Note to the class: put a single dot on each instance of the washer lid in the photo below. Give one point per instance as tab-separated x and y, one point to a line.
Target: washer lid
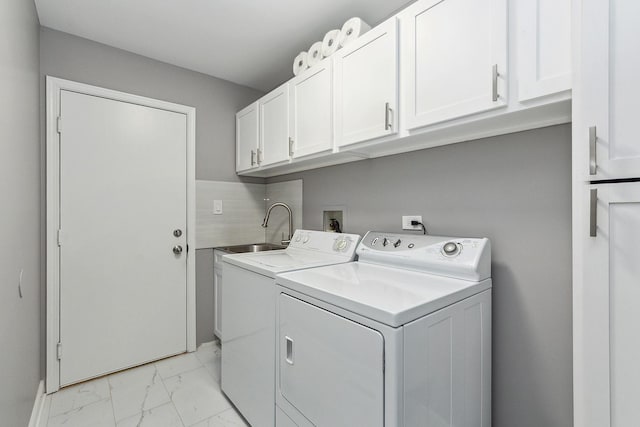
388	295
308	248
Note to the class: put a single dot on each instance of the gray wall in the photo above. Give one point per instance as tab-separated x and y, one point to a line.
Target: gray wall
20	211
514	189
216	102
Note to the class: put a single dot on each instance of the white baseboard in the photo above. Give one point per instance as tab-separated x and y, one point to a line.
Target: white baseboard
38	406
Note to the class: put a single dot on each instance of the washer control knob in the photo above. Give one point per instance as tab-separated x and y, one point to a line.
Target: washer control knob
305	239
385	242
341	245
411	245
450	249
297	237
397	243
373	243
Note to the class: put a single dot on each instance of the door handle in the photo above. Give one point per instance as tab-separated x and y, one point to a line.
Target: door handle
289	358
177	249
593	164
253	161
593	212
258	156
494	82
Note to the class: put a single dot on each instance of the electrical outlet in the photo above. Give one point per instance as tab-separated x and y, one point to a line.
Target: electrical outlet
406	222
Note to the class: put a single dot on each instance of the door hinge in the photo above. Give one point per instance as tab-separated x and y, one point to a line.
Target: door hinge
59	350
60	237
59	124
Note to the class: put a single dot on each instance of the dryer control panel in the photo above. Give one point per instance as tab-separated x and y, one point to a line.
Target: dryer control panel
462	258
325	242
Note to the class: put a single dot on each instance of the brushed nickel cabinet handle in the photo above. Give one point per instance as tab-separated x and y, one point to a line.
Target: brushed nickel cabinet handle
387	116
494	83
290	147
593	212
593	164
259	156
253	154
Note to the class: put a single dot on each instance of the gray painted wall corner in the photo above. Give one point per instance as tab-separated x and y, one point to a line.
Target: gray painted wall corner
20	212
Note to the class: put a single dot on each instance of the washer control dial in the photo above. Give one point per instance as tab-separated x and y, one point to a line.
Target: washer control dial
450	249
340	245
306	238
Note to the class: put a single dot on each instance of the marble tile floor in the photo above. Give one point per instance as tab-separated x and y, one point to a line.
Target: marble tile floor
181	391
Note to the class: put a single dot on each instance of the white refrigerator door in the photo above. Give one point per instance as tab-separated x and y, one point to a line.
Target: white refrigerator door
331	369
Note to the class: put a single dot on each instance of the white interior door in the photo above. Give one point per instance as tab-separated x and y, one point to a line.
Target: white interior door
123	186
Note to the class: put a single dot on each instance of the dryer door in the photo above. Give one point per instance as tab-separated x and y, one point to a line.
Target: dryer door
331	368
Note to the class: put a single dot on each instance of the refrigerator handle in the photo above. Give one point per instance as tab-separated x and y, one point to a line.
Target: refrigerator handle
593	206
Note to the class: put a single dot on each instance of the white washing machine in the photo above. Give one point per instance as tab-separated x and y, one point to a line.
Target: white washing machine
402	337
248	315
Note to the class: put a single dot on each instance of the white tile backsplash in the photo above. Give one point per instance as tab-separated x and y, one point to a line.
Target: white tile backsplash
243	209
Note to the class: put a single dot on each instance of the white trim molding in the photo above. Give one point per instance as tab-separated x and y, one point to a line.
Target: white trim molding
38	406
53	91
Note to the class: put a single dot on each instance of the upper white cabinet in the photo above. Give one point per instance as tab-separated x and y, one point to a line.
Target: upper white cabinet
437	73
247	141
454	59
609	69
543	45
310	101
366	86
274	127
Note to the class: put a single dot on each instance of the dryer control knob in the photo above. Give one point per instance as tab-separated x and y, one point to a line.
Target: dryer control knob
450	249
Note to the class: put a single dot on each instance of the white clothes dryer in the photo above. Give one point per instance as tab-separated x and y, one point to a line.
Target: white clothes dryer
248	315
402	337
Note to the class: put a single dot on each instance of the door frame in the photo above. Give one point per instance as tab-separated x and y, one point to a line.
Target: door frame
54	86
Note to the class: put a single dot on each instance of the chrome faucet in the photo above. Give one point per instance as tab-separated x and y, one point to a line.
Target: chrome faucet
266	220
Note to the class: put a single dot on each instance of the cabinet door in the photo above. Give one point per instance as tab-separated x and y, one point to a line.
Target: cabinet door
606	315
611	92
454	59
331	369
217	301
247	137
274	126
365	80
310	103
544	47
